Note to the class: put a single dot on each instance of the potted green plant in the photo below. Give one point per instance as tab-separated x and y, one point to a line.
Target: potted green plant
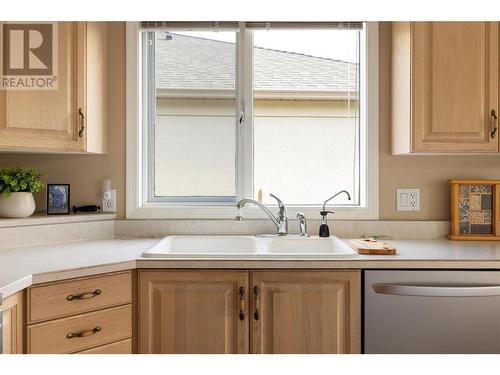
17	186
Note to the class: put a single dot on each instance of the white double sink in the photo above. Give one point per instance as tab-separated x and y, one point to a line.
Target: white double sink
250	247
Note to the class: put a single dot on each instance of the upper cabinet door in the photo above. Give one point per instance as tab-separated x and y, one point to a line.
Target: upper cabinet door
305	312
445	86
193	312
49	119
455	86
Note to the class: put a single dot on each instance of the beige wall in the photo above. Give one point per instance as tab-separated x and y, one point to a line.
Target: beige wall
86	172
429	173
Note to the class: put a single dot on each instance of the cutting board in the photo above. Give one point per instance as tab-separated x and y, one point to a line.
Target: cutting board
369	246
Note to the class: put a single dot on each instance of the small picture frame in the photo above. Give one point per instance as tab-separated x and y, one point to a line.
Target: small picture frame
474	210
58	199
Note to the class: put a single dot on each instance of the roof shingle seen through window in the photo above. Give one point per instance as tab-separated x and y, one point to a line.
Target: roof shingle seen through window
186	62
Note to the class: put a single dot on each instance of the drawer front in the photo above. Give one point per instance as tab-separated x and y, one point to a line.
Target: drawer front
60	299
77	333
120	347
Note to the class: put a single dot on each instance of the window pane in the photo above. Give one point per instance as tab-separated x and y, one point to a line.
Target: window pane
306	115
194	132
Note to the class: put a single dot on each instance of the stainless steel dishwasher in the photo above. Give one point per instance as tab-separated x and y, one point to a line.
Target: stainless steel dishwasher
431	312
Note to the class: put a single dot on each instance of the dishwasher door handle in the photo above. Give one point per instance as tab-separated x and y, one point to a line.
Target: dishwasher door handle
437	291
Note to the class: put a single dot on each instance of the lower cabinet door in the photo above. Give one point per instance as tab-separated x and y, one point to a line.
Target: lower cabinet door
12	309
193	312
305	311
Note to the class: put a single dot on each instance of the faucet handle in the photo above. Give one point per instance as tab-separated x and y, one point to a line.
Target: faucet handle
281	206
302	224
280	203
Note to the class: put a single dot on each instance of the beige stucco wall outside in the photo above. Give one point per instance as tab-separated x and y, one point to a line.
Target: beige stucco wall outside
430	173
293	142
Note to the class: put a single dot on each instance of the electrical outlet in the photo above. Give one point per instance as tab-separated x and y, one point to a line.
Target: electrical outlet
408	199
109	202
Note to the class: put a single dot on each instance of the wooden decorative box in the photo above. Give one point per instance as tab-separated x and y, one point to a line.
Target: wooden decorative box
475	210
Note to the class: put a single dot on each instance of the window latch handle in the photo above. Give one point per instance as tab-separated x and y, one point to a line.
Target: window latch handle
242	113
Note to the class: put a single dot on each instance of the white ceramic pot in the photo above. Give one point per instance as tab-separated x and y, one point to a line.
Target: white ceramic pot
17	205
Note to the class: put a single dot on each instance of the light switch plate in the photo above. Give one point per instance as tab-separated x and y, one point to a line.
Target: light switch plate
408	199
109	205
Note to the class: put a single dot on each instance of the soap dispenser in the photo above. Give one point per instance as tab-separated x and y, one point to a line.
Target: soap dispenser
324	231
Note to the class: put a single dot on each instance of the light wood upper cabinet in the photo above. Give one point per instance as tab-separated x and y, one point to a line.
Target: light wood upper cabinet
73	117
444	87
195	312
305	312
12	308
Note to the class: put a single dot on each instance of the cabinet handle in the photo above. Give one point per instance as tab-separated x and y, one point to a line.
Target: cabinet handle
242	303
82	122
90	332
256	314
95	293
494	128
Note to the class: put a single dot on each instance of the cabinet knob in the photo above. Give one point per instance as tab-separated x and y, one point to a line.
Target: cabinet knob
494	127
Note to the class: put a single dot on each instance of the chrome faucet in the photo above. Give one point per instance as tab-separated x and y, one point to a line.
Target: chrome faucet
333	196
280	221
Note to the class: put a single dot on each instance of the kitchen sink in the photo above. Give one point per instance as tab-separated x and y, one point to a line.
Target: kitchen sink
204	245
311	246
250	247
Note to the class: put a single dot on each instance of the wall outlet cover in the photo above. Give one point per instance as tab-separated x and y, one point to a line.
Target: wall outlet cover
109	202
408	199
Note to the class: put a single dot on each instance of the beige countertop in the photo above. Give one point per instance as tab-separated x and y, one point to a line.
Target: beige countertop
24	266
21	267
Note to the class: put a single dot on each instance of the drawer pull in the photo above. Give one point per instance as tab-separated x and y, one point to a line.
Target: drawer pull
84	333
95	293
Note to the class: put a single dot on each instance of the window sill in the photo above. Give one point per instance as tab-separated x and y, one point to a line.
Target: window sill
43	219
158	212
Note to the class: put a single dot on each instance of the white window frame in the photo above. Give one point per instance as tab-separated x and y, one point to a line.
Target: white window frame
137	207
